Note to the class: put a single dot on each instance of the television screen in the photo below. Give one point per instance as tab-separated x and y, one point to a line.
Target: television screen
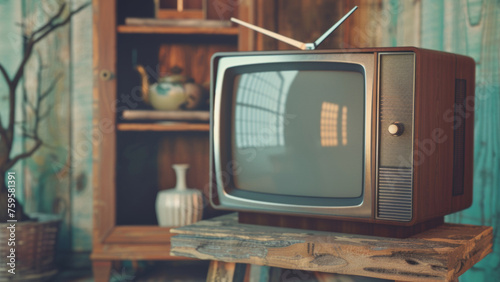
299	132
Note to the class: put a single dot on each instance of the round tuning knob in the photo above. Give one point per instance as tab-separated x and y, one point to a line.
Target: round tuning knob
396	129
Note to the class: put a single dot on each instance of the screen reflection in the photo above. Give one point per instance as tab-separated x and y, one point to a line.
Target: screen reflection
296	130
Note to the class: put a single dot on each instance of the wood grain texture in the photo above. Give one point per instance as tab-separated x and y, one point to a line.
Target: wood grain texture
293	21
290	19
178	30
469	28
442	253
435	79
361	29
139	235
474	28
104	95
10	56
193	58
47	172
163	127
246	36
101	270
173	14
81	128
128	251
223	9
221	271
65	164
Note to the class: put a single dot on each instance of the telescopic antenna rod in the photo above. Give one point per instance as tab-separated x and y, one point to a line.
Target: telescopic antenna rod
269	33
291	41
333	28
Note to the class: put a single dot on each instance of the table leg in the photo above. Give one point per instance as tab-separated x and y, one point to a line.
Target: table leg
220	271
101	270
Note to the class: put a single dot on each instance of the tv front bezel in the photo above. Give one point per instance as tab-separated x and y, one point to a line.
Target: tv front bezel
225	66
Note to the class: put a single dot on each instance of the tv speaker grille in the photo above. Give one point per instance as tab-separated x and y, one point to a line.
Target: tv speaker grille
394	198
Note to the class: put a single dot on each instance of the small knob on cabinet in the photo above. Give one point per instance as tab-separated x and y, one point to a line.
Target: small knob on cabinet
106	75
396	129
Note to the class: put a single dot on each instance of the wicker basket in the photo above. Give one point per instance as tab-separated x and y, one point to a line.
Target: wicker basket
35	249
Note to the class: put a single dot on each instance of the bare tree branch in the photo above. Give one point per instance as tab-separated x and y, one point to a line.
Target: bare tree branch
51	87
5	74
26	100
24	128
44	115
3	131
53	26
44	30
26	154
50	22
27	135
7	132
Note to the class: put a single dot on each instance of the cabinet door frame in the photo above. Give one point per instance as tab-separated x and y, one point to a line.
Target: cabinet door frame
104	120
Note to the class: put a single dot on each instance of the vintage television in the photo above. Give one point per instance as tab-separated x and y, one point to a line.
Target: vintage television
372	141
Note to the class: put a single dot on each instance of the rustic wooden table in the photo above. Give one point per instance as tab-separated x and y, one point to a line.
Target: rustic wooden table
442	253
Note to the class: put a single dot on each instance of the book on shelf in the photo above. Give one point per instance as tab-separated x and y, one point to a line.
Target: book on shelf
154	115
177	22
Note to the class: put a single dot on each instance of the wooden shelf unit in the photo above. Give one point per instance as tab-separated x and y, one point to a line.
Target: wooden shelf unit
132	161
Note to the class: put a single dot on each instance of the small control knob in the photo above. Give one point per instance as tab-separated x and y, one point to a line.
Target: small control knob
396	129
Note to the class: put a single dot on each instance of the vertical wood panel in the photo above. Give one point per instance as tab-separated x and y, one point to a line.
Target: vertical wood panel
10	56
103	121
246	38
48	174
48	169
432	23
81	128
364	27
468	27
307	20
486	200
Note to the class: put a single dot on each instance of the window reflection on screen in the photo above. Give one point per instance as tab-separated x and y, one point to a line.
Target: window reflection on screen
328	130
299	132
260	108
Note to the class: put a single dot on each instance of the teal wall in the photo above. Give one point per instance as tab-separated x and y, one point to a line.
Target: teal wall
472	28
57	178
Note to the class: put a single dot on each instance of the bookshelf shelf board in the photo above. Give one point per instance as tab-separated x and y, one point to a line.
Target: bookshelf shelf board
177	30
164	127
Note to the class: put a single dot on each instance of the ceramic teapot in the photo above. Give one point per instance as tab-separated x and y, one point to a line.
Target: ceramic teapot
171	92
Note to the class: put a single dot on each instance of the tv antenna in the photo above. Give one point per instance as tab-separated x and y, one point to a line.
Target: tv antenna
291	41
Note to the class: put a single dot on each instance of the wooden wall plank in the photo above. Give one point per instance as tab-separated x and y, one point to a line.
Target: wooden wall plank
471	28
47	170
432	23
307	20
363	28
10	56
81	128
486	200
44	182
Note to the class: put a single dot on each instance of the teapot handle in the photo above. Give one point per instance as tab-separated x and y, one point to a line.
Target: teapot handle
144	83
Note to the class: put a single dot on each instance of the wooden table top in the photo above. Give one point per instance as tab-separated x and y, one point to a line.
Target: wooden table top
442	253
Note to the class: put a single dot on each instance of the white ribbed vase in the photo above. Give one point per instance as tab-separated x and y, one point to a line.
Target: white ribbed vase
181	205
